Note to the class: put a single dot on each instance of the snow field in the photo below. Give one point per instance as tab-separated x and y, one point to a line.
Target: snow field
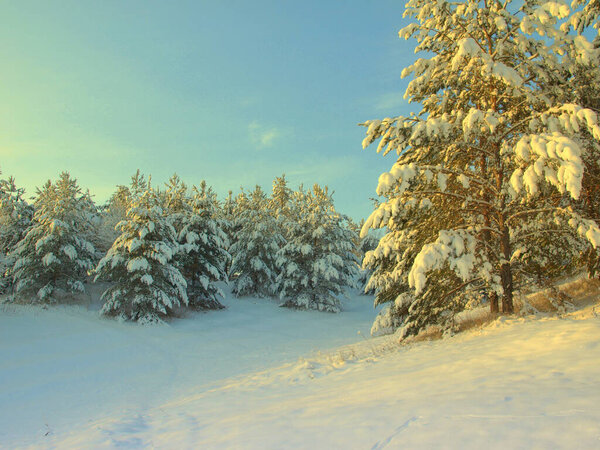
64	367
515	383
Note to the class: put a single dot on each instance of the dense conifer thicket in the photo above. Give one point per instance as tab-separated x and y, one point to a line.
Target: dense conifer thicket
168	249
495	186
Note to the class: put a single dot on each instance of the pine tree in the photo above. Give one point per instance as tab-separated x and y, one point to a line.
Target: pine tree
584	89
15	219
317	264
175	199
116	208
390	263
280	205
232	212
93	217
113	212
254	252
55	256
146	287
15	215
176	207
363	245
204	257
119	202
280	197
585	15
225	213
494	157
139	186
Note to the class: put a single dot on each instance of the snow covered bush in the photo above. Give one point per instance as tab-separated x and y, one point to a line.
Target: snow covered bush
494	159
146	286
254	252
55	255
318	263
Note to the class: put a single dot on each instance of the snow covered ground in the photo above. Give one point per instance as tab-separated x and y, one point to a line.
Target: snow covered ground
253	377
65	366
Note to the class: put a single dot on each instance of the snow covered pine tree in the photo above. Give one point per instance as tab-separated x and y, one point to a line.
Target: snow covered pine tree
203	258
317	264
146	287
367	243
254	252
15	215
492	147
15	220
54	257
279	204
585	91
232	214
110	215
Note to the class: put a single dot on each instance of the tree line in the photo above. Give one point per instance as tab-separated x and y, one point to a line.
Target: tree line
164	250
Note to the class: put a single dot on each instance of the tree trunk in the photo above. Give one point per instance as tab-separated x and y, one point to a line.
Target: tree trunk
494	303
507	286
506	273
488	240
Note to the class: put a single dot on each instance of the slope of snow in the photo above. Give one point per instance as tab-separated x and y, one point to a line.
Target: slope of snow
516	383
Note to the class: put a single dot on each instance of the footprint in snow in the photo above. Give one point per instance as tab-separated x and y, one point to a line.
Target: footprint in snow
384	443
122	434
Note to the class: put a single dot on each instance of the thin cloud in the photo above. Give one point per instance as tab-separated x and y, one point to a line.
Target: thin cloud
263	136
389	101
323	170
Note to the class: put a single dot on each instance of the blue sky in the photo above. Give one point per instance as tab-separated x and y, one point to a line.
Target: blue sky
233	92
